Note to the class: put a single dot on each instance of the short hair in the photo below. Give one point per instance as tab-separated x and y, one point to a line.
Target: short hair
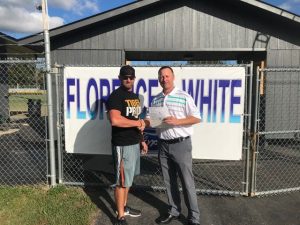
165	67
127	70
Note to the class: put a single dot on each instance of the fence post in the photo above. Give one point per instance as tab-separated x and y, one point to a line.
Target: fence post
49	94
247	128
255	137
57	71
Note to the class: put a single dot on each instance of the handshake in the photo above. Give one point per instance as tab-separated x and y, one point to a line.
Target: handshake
141	127
142	124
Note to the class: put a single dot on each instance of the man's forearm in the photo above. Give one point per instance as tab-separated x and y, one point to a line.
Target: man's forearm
121	121
190	120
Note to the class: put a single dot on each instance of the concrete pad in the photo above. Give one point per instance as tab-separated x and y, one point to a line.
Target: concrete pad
280	209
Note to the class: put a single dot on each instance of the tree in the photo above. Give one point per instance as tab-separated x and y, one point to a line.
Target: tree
25	74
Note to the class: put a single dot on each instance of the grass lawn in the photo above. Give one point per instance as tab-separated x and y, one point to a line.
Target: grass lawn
42	206
18	102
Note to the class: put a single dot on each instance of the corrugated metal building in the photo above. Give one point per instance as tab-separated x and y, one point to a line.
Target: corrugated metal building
176	30
194	30
243	30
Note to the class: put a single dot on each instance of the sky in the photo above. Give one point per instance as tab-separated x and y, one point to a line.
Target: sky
20	18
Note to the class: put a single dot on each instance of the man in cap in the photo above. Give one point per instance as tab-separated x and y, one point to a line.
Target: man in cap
124	109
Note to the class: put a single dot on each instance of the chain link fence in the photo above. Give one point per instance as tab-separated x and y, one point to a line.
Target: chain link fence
23	155
224	177
277	166
270	160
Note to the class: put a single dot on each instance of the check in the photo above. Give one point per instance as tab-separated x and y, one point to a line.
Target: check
157	114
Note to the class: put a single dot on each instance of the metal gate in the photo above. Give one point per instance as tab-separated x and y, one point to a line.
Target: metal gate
23	112
276	161
211	176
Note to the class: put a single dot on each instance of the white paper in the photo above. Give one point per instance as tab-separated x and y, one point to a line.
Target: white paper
157	114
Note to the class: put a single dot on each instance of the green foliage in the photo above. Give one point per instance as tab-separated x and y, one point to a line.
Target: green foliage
25	75
39	206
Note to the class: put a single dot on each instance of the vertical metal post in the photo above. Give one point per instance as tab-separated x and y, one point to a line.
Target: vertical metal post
248	128
57	72
49	94
255	138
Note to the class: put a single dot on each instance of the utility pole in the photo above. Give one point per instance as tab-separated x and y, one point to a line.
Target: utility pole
49	94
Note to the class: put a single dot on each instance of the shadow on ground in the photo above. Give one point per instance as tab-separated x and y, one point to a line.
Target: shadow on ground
280	209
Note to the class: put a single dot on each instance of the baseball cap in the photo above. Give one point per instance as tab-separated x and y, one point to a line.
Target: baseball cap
127	71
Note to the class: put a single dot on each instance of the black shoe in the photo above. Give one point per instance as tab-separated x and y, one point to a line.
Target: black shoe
128	211
121	221
193	223
166	219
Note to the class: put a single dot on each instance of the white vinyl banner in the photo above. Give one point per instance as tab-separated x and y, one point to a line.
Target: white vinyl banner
217	91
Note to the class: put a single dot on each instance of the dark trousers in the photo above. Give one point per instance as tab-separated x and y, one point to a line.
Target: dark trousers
176	159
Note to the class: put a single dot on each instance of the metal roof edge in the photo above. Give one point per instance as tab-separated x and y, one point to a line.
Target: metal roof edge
91	20
7	37
134	6
273	9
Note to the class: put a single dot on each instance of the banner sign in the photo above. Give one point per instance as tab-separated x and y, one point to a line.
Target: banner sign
217	91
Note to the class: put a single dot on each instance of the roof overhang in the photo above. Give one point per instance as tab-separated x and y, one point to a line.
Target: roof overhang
273	9
9	46
114	13
196	54
135	6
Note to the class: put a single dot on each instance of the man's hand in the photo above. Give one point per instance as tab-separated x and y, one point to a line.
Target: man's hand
144	148
142	125
170	120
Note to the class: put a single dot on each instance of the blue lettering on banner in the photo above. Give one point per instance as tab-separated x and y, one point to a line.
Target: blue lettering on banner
212	96
70	98
152	83
206	100
205	93
115	84
80	114
234	100
223	84
101	94
104	84
92	111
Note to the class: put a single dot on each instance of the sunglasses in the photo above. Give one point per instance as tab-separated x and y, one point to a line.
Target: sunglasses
126	77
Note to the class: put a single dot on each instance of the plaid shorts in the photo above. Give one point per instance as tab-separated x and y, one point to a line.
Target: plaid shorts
126	164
